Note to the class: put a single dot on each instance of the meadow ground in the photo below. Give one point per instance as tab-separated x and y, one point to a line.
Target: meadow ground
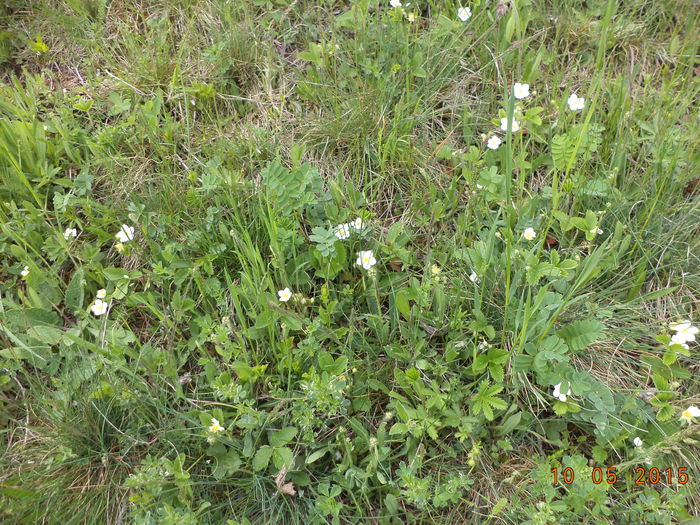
306	262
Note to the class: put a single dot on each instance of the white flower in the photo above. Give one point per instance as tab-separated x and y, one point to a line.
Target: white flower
515	125
685	323
357	223
529	234
689	413
596	231
685	332
411	17
521	91
558	394
435	270
285	295
25	271
70	232
675	340
101	293
366	259
99	307
395	3
342	231
215	426
464	13
576	103
474	278
637	442
493	142
125	234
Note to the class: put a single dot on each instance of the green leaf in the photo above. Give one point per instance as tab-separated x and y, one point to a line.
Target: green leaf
579	334
510	423
283	458
262	457
75	292
315	456
283	436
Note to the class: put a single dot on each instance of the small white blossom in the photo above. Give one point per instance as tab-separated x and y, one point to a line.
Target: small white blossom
596	231
25	271
395	3
125	234
435	270
474	278
342	231
366	259
493	142
515	125
575	102
558	394
215	426
357	223
70	232
101	293
285	295
685	332
637	442
529	234
464	13
99	307
690	413
521	91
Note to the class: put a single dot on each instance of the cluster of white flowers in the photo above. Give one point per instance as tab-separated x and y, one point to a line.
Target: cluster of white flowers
342	231
558	393
100	307
70	232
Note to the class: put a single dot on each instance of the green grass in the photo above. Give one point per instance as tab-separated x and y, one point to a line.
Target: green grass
234	137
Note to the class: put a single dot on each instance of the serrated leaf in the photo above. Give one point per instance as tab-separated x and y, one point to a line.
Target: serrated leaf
579	334
283	436
262	457
75	292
